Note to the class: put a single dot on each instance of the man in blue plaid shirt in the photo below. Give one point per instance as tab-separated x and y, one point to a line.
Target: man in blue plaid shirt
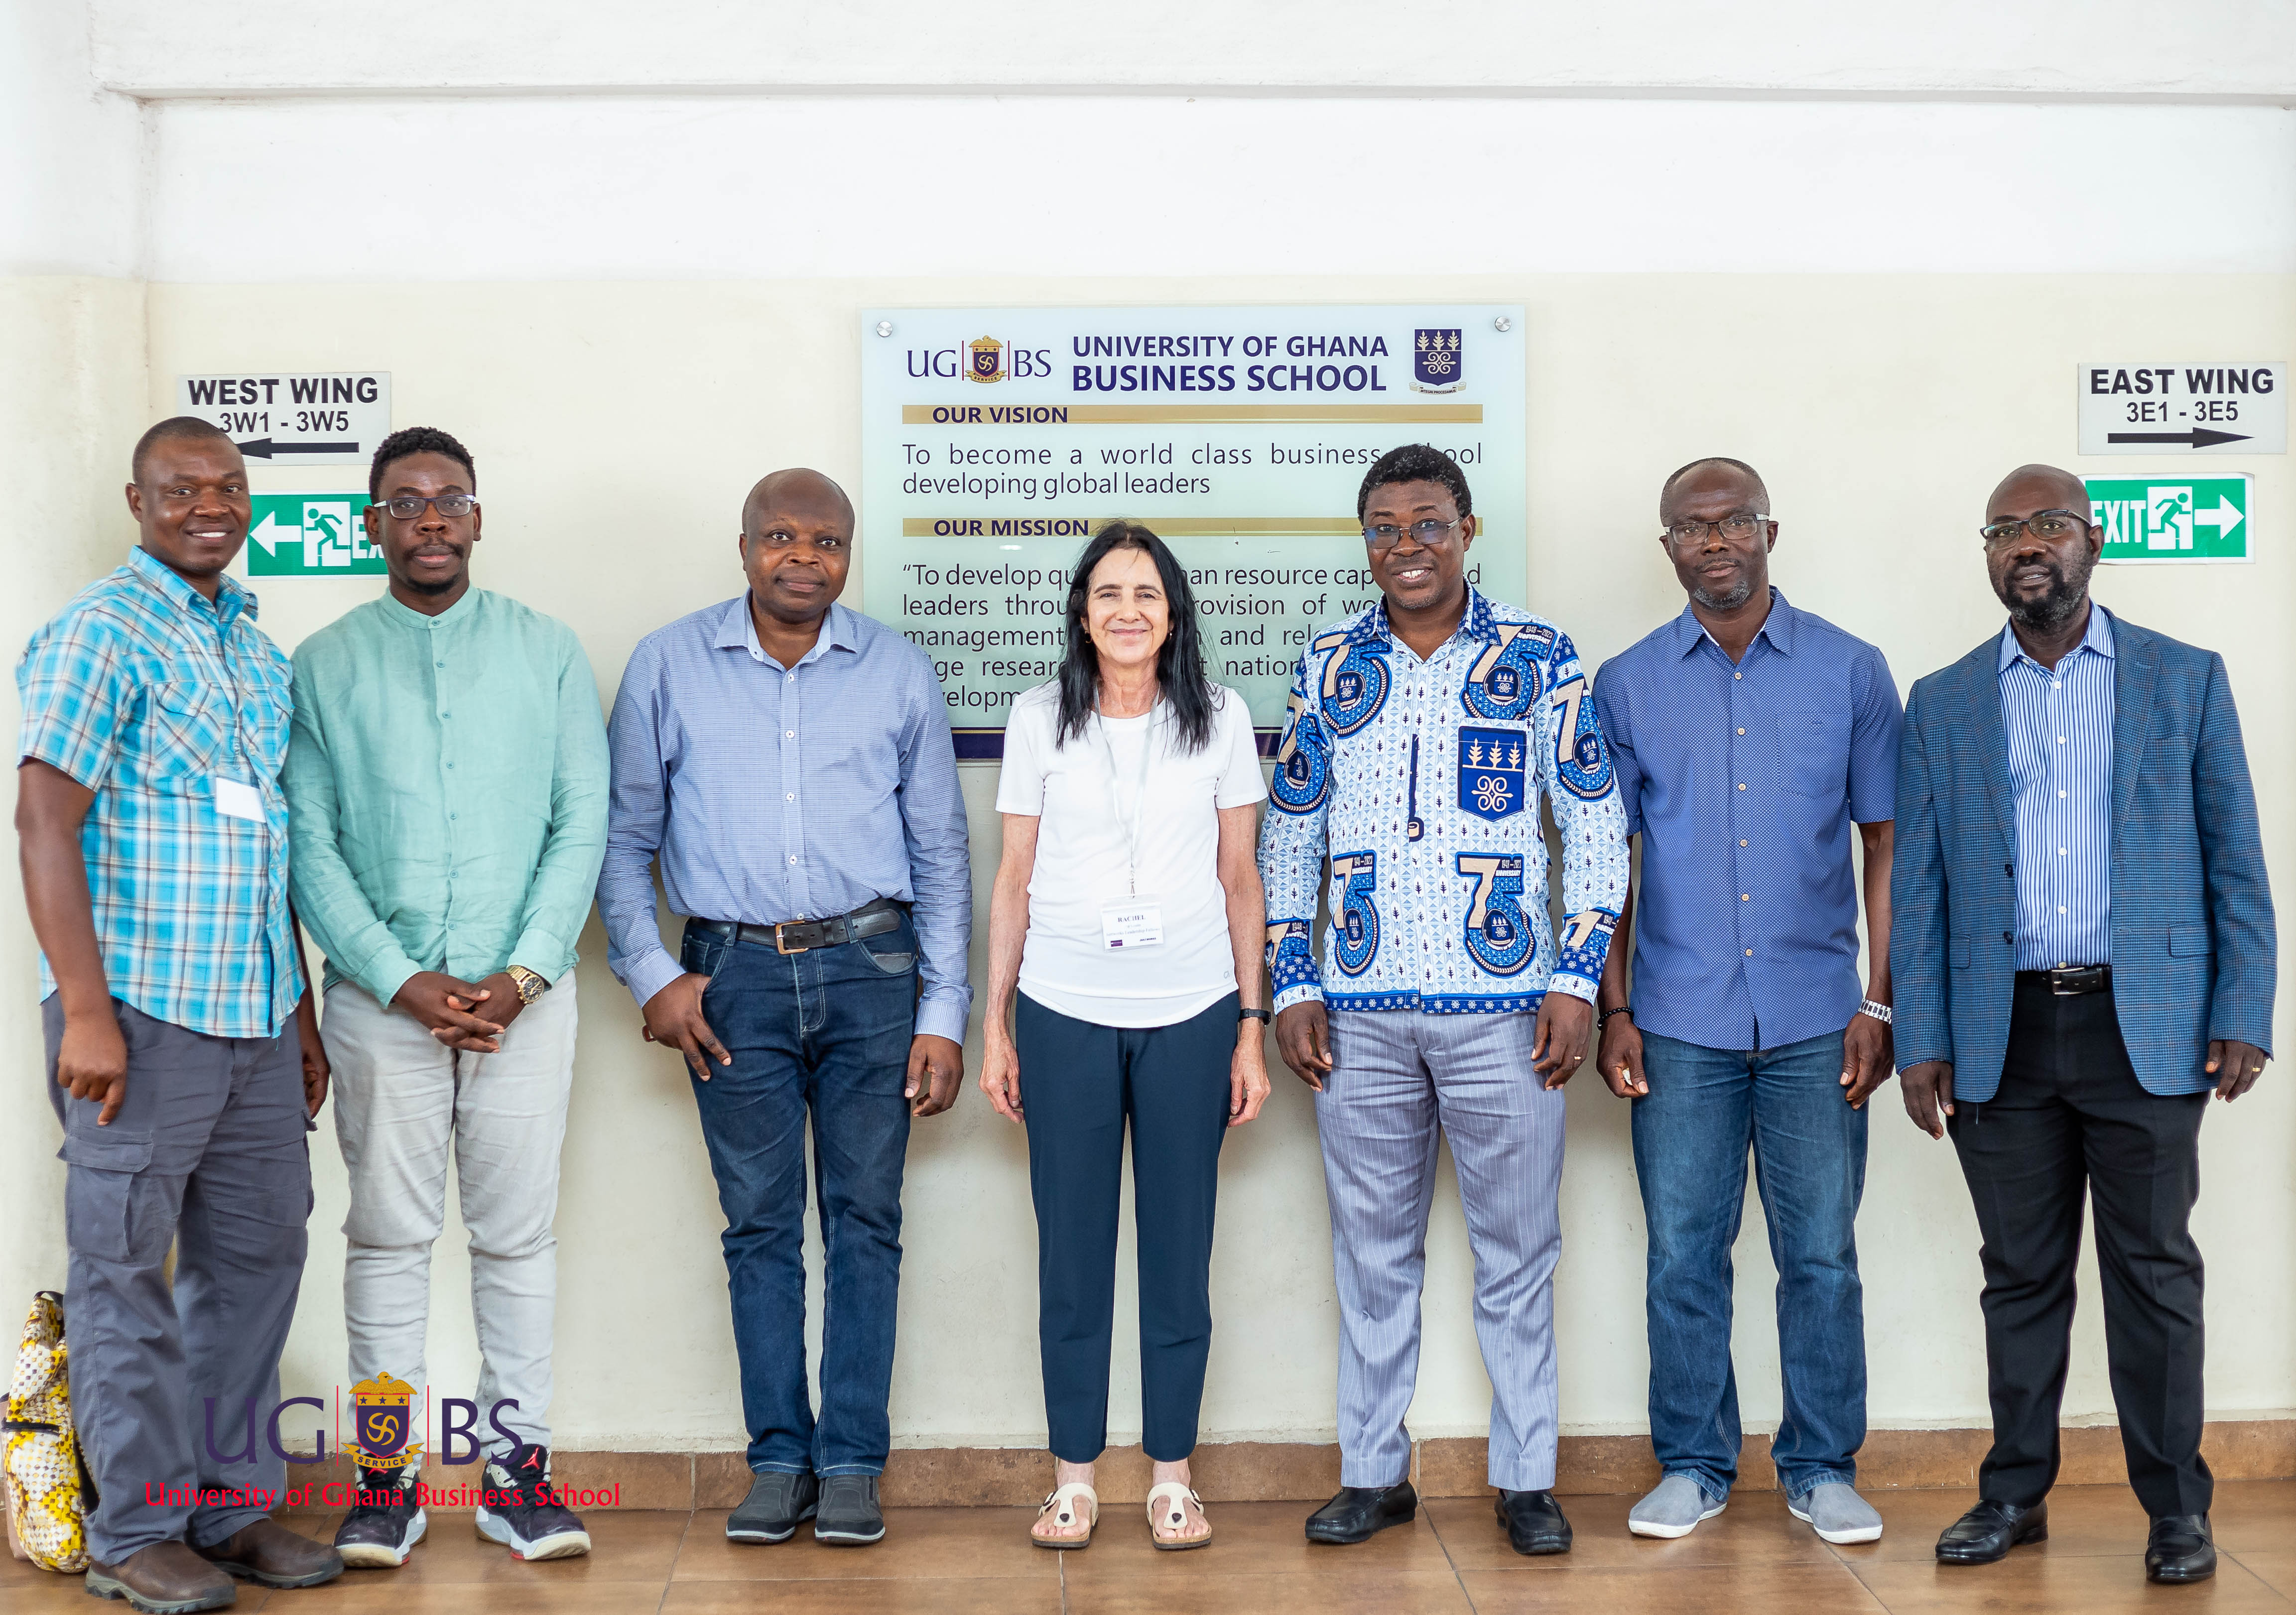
182	1040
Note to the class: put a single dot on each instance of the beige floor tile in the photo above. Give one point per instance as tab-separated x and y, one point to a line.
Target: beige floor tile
907	1595
1258	1538
376	1593
2274	1566
2254	1513
961	1544
2084	1521
623	1548
1367	1592
1755	1529
1755	1589
2093	1584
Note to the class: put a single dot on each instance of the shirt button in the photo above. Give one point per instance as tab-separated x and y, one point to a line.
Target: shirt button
1742	787
443	715
1745	897
1750	953
2061	852
1742	843
792	857
450	764
791	797
442	664
2060	740
1741	676
1742	732
451	816
789	734
2060	908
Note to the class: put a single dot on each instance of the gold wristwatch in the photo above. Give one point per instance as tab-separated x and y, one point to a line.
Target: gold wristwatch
530	986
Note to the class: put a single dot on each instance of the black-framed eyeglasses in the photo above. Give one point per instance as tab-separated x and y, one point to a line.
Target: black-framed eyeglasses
1738	526
2047	526
409	507
780	538
1424	534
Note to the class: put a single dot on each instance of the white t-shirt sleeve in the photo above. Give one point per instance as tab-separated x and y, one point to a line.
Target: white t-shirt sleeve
1239	780
1027	736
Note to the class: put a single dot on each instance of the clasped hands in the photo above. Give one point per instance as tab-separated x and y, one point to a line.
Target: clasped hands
448	1008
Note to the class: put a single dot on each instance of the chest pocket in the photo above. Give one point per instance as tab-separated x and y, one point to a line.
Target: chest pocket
186	733
1814	754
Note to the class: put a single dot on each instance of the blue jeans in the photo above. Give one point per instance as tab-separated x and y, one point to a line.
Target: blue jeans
1691	1134
829	1031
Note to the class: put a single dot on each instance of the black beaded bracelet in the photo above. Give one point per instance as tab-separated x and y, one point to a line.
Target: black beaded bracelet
1606	1014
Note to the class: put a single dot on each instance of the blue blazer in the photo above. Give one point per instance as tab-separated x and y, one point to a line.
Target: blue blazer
2193	948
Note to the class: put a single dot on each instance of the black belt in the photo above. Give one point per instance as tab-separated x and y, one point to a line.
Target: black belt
2072	980
871	919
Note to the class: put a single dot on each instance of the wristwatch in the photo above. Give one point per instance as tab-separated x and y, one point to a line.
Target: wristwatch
1243	1015
530	986
1880	1012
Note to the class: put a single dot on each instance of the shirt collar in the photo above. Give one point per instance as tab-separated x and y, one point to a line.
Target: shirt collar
738	630
2099	639
233	598
1777	627
1478	621
399	611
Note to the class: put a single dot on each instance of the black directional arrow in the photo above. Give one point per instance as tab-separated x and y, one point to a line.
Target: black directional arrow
2200	437
263	448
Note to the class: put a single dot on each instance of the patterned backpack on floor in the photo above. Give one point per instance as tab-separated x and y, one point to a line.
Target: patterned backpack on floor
45	1479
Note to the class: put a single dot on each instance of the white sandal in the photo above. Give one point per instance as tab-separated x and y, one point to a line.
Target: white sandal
1173	1491
1065	1498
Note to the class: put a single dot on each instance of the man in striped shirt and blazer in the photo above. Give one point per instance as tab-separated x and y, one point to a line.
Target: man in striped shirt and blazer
2082	939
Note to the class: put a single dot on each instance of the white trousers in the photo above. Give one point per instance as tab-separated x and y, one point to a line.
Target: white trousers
401	1097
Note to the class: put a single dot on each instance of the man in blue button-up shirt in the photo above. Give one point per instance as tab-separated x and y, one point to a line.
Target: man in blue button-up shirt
1750	736
788	763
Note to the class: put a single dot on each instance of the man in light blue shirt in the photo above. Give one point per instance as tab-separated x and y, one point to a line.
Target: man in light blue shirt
1750	738
788	762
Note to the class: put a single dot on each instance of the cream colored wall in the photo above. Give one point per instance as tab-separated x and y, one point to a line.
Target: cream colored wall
615	426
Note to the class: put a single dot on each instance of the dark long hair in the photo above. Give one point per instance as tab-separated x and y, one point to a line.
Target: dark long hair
1179	660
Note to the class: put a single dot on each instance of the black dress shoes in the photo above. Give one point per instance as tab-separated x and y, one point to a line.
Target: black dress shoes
1533	1522
1986	1534
1358	1510
2181	1548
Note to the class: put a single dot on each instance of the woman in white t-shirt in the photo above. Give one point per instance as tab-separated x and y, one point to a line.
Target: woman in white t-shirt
1127	913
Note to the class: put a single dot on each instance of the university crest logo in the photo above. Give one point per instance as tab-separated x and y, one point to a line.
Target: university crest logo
1493	780
1436	361
383	1418
988	359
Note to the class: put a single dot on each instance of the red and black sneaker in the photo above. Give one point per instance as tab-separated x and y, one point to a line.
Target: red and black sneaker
385	1522
520	1510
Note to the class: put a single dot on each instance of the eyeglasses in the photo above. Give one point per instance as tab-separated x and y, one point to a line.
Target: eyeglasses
1425	534
406	508
2047	526
1738	526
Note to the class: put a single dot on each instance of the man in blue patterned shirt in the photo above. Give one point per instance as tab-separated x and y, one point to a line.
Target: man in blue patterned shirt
1750	736
1422	733
154	841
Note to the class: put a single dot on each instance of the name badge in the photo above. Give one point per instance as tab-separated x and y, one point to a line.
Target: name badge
238	799
1134	923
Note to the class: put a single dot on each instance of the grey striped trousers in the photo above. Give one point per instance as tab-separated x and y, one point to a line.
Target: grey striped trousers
1396	1077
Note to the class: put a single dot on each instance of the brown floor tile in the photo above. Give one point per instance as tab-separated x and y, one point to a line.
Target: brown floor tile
2254	1513
2093	1585
1248	1538
916	1595
1369	1591
1755	1529
381	1593
958	1544
625	1546
1763	1589
55	1594
2274	1566
2084	1521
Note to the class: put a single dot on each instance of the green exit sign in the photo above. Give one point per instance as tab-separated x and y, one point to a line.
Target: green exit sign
2173	518
310	536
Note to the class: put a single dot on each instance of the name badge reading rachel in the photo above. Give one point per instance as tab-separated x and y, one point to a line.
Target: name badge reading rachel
1134	923
238	799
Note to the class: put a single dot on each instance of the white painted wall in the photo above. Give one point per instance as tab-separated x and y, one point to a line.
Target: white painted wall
1863	247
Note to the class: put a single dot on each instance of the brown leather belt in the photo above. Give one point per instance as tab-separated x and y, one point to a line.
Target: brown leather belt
871	919
2074	979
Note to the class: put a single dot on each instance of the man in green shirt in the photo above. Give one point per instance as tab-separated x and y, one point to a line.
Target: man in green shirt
447	783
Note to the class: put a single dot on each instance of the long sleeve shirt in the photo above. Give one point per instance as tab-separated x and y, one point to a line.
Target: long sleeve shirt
1421	782
447	784
771	793
2058	724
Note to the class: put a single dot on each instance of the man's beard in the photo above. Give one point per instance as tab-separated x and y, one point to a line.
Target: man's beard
439	587
2056	606
1730	600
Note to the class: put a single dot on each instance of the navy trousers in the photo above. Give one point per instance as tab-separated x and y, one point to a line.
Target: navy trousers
1079	1085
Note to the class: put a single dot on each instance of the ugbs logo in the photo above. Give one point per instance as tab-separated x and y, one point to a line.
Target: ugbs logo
1492	778
988	363
382	1420
1436	361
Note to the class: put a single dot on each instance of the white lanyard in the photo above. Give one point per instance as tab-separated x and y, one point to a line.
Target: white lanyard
1130	823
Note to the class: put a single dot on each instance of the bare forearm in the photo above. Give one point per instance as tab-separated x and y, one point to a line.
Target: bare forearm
49	807
1612	993
1008	932
1879	841
1247	931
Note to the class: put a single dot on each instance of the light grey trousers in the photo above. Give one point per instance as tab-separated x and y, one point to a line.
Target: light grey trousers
207	1152
1396	1077
402	1098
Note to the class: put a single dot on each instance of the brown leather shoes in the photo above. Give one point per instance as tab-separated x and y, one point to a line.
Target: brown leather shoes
268	1552
165	1578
